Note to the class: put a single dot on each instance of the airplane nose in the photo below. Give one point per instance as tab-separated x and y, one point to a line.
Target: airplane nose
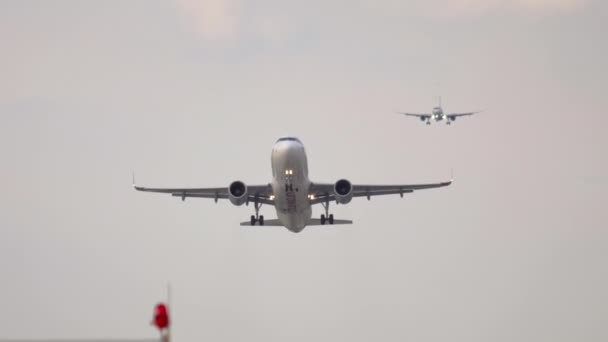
285	148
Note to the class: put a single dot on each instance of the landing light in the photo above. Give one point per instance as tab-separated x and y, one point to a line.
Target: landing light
271	197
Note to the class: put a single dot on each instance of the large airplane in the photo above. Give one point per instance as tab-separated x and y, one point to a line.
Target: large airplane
438	114
291	192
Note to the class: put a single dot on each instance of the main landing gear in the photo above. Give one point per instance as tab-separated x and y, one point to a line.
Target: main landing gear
327	217
257	218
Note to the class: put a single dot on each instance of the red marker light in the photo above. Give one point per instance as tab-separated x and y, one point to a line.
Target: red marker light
161	316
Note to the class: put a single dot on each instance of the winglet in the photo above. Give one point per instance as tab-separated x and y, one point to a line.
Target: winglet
134	184
452	175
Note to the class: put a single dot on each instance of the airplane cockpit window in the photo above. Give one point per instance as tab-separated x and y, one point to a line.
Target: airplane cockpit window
289	139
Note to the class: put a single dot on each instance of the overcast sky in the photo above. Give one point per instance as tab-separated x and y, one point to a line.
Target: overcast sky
194	93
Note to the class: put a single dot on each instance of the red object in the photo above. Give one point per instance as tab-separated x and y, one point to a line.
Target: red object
161	316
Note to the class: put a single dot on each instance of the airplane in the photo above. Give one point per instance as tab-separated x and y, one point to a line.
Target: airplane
437	114
291	192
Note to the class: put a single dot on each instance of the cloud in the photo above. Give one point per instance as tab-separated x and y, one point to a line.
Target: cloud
222	20
213	19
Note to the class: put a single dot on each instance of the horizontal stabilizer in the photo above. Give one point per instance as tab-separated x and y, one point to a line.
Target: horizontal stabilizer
317	222
312	222
271	223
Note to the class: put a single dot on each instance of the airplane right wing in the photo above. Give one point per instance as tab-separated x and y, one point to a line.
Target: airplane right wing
424	116
259	193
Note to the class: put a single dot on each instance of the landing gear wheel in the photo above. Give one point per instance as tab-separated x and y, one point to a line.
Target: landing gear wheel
331	218
322	219
257	217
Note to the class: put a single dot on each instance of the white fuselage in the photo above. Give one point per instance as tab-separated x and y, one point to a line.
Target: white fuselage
290	184
438	114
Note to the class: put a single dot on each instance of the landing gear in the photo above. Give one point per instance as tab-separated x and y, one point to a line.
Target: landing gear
327	217
257	218
428	122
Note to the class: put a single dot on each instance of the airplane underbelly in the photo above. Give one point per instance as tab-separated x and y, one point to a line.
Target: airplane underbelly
292	205
290	186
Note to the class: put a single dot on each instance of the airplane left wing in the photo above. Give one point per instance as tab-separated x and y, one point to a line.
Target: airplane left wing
321	193
261	193
461	114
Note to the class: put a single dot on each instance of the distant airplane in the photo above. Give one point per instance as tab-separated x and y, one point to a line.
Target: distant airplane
291	192
437	114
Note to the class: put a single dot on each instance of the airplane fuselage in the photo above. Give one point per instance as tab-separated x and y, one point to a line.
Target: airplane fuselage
290	184
438	114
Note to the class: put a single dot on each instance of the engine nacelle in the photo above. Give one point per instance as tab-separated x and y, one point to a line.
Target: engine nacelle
237	193
451	118
343	190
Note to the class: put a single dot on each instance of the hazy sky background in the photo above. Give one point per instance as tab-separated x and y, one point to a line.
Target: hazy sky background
195	93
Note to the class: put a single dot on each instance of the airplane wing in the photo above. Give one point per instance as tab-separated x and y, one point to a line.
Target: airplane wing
324	192
451	115
261	193
422	116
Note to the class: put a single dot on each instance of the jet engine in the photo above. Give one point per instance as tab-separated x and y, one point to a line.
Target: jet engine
343	190
237	193
451	118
